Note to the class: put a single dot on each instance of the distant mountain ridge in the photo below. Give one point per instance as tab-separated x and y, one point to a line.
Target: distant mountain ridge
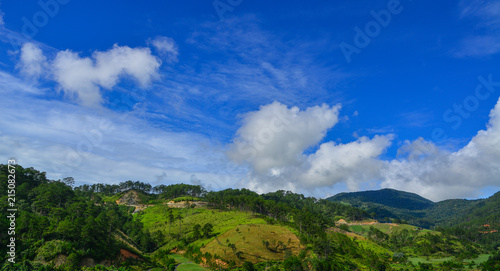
387	196
389	204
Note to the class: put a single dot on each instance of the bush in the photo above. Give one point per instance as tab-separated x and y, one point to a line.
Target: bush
51	249
72	262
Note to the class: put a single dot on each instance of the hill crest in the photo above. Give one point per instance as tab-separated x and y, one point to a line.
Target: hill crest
387	197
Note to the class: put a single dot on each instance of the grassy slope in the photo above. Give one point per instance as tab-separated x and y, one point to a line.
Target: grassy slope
388	228
154	219
186	264
249	240
243	229
479	260
370	245
252	230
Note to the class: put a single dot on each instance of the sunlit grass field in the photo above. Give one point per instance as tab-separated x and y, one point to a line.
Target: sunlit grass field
248	239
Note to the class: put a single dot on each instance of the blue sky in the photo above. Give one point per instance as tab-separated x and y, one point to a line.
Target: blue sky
317	97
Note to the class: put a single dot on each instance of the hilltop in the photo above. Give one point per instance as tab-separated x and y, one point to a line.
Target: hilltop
387	197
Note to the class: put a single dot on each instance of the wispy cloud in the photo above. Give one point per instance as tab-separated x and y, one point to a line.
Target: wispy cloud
260	66
488	11
485	14
65	139
418	118
2	14
208	91
479	46
166	47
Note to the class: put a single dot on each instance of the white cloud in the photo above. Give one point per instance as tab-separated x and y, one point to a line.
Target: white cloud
166	47
82	78
438	174
274	141
276	136
32	61
353	163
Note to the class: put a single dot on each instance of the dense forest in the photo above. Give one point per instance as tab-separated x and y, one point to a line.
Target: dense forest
62	227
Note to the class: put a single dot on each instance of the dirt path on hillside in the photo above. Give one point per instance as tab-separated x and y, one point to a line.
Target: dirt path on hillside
117	236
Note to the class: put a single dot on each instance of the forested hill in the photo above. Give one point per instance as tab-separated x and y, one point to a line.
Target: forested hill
135	226
59	223
389	205
388	197
476	212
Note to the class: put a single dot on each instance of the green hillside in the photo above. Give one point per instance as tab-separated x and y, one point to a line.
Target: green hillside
389	204
135	226
450	212
392	205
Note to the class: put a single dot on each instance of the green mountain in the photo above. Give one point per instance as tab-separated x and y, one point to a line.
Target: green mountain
387	197
390	204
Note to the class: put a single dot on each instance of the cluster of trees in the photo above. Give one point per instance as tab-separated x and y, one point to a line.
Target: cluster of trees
179	190
53	219
309	215
493	263
423	244
109	189
479	224
164	191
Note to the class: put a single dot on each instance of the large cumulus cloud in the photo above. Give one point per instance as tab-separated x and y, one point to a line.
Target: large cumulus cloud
282	148
274	141
439	174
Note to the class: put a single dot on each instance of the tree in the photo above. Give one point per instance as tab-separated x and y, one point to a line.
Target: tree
207	230
293	264
171	219
265	243
248	266
50	195
196	231
69	181
179	217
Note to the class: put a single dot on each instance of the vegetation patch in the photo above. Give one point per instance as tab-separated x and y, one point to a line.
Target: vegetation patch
254	243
